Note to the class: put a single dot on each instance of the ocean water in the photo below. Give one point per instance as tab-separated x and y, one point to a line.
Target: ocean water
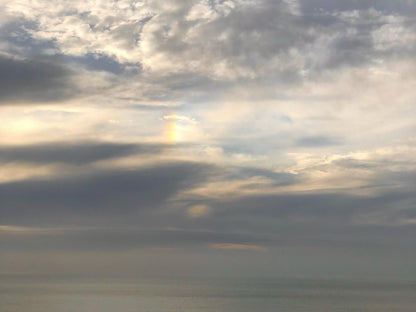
42	294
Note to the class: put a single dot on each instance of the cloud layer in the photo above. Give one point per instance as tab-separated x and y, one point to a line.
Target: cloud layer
225	134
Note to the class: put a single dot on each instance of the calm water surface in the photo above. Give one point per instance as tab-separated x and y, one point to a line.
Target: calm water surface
23	294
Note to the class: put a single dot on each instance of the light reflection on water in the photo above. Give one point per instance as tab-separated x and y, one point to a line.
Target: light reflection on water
23	294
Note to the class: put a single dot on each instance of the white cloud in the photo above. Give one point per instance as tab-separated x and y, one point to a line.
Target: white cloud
394	36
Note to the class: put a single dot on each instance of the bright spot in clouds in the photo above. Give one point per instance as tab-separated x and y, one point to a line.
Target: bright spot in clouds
198	211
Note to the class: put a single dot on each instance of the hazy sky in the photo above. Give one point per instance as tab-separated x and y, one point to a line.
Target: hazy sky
211	137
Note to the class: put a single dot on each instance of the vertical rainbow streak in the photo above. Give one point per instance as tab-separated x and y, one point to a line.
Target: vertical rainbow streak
171	129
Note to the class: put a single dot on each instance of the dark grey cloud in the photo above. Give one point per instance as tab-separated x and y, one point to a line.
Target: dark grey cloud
100	195
116	239
292	216
33	80
77	153
336	221
259	226
139	213
318	208
117	193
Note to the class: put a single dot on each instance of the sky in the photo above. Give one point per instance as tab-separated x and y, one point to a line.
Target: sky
208	138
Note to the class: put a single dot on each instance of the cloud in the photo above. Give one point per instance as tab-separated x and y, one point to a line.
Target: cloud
198	211
238	247
314	6
293	122
179	118
98	195
116	238
16	229
275	40
158	54
96	62
317	141
33	80
76	153
316	208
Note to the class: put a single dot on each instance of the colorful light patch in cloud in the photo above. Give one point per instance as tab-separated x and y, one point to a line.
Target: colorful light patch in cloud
177	128
171	132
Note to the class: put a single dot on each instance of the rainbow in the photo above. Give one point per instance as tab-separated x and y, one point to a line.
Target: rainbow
171	133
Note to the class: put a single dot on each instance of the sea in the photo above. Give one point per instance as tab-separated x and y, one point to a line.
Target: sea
75	294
